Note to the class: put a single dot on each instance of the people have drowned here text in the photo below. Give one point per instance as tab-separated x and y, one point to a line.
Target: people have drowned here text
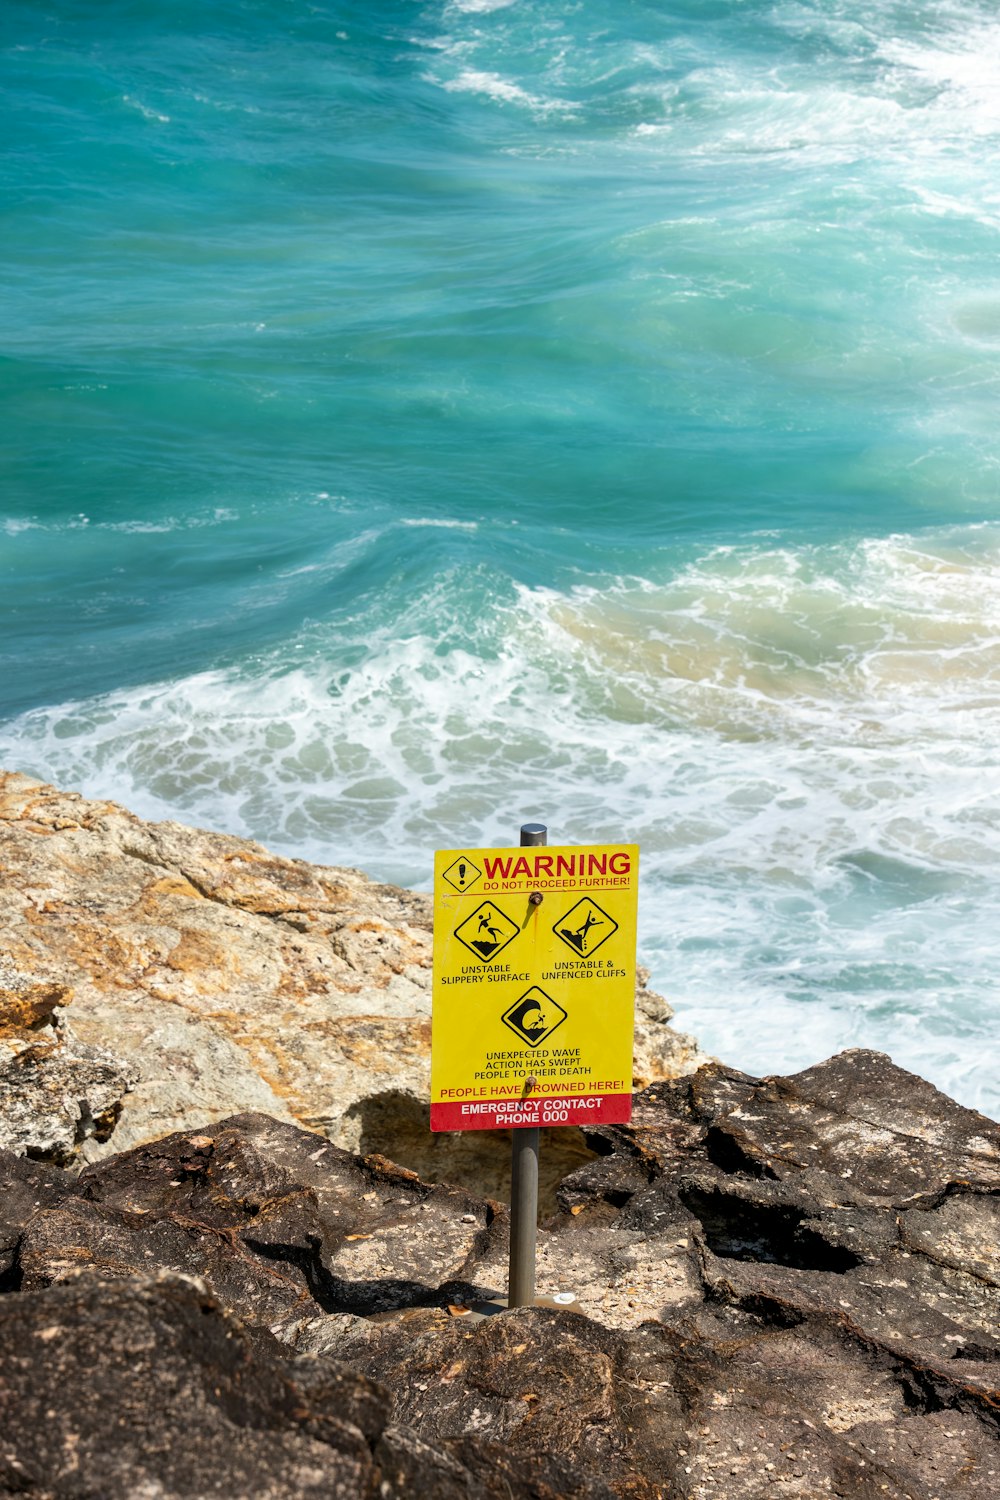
534	986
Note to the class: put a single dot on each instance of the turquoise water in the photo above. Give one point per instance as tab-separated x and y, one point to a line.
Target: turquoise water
421	417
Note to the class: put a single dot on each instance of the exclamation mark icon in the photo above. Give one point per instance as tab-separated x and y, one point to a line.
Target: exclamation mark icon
462	873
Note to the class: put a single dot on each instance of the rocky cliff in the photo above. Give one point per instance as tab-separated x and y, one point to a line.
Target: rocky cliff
153	976
783	1287
777	1287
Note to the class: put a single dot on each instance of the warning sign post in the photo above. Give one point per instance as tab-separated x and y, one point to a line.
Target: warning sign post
534	986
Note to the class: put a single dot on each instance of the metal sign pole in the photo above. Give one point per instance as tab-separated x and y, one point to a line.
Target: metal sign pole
524	1172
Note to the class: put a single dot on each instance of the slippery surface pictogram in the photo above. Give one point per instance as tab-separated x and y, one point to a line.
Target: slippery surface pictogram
487	931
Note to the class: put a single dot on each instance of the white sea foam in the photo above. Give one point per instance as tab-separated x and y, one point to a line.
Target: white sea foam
503	90
940	73
480	7
145	110
441	522
14	525
142	528
227	106
803	741
889	97
961	64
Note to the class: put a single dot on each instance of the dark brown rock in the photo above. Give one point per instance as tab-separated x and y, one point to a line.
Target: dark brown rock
147	1387
789	1287
26	1187
856	1121
278	1222
150	1388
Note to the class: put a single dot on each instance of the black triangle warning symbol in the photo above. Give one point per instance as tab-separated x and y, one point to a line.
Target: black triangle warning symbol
487	931
535	1016
585	927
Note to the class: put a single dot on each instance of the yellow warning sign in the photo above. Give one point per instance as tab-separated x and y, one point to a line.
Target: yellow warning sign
534	986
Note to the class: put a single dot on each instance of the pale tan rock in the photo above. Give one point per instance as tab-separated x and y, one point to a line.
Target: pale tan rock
231	979
658	1050
55	1091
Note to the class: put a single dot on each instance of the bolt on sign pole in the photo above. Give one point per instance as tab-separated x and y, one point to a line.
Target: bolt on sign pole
524	1170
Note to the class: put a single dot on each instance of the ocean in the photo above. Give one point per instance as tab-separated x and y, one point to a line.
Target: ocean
422	416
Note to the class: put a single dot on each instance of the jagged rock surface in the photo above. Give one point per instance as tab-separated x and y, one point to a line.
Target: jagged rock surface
789	1287
153	1390
220	978
55	1091
277	1222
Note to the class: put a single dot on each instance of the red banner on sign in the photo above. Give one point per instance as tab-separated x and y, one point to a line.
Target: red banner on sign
508	1114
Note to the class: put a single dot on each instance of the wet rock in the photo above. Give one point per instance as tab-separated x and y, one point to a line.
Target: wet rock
475	1469
149	1387
539	1384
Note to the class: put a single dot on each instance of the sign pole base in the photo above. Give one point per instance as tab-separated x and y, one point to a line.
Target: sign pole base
523	1216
